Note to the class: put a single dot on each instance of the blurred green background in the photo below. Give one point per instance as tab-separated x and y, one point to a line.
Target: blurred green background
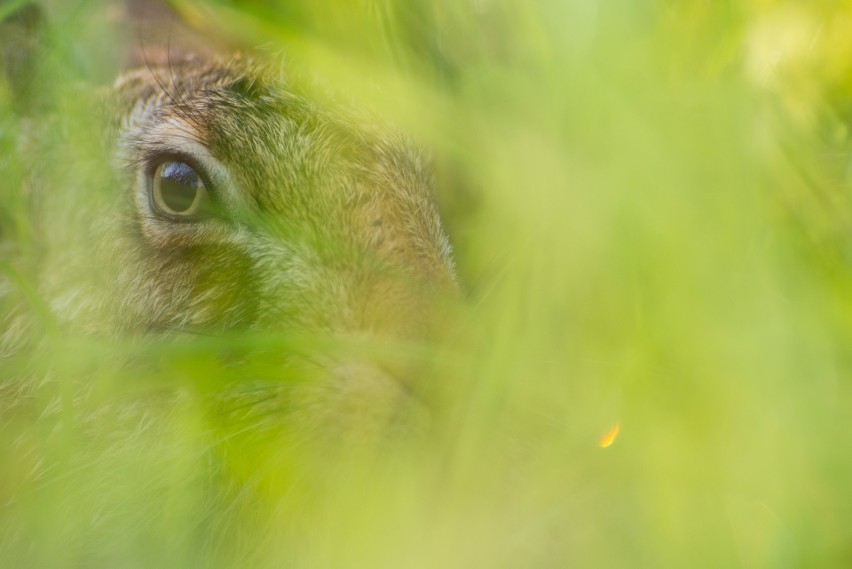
650	207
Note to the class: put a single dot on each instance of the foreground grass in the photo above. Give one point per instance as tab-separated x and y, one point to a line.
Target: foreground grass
649	208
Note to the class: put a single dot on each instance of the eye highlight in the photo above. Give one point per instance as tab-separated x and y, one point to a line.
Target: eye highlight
178	191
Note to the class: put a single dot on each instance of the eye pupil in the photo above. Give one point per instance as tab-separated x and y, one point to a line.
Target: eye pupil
177	189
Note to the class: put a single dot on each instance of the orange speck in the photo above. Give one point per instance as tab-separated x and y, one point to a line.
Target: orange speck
610	436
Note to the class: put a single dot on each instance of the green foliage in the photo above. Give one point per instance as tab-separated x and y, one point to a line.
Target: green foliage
649	203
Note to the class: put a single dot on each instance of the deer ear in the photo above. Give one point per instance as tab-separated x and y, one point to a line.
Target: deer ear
22	50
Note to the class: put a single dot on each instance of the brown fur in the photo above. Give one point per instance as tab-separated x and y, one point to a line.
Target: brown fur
326	225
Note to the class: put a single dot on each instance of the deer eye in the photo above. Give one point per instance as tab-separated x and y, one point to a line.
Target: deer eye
177	190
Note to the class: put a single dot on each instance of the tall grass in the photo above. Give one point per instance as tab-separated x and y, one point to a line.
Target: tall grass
649	203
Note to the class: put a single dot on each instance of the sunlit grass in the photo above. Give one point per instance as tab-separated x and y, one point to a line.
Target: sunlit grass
650	214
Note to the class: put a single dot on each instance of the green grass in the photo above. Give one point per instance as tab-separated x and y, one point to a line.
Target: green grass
650	208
